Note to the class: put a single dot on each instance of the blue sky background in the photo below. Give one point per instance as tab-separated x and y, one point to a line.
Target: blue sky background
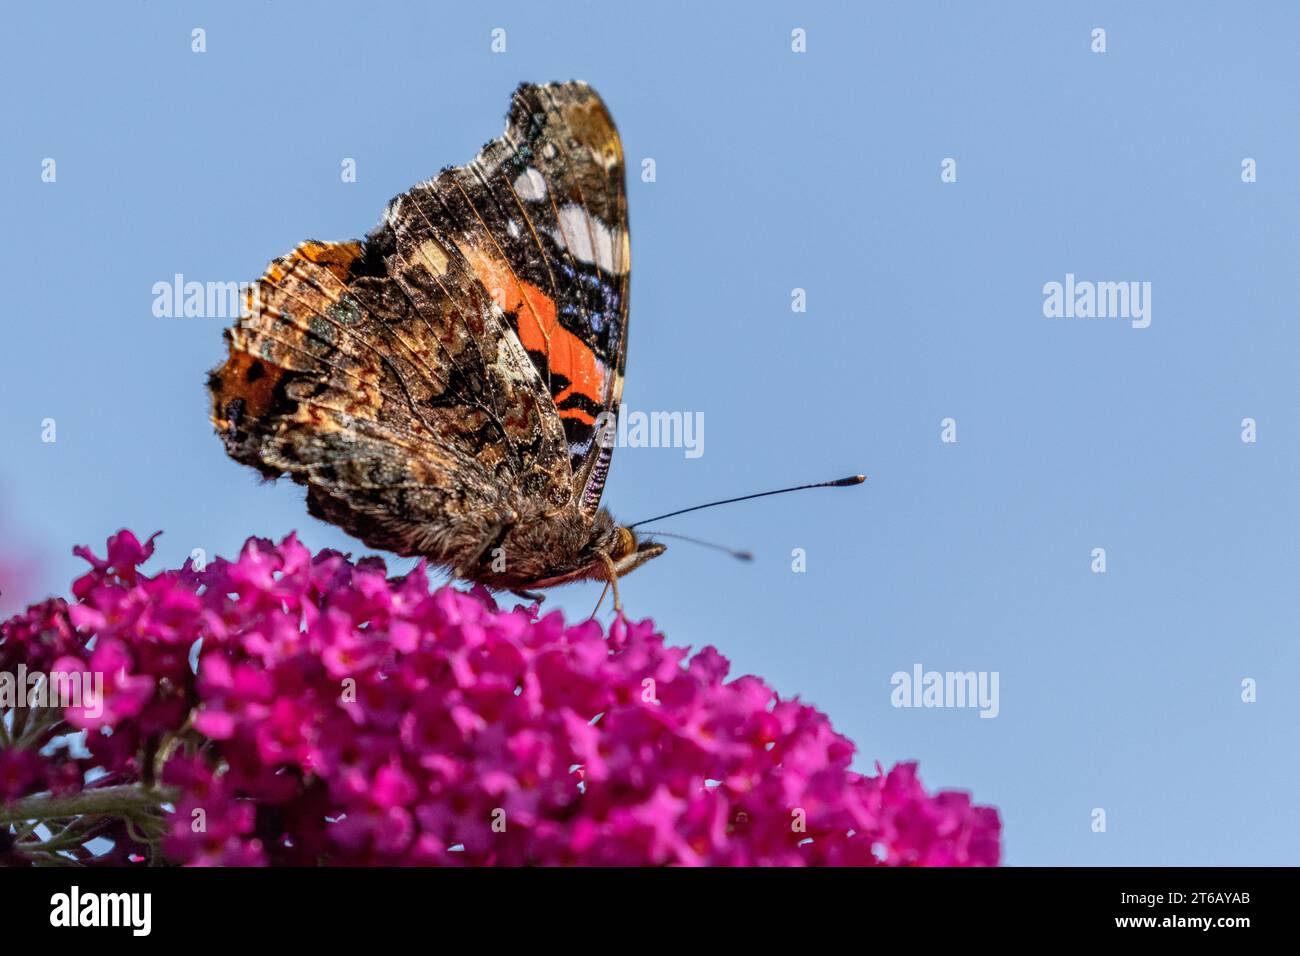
775	171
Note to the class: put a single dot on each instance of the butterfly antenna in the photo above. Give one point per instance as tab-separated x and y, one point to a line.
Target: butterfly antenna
739	555
837	483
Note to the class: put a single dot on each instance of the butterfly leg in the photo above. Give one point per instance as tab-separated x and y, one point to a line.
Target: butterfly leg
537	597
612	580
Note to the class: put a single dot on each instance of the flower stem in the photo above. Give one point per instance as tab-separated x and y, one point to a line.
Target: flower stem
127	800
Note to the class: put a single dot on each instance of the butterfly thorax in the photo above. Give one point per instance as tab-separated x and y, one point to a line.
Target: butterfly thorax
541	549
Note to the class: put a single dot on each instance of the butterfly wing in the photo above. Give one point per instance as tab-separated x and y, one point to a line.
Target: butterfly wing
541	215
426	381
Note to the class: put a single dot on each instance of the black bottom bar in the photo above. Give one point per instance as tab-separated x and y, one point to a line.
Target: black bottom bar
329	905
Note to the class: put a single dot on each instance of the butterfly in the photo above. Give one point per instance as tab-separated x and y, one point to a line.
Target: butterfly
447	386
444	386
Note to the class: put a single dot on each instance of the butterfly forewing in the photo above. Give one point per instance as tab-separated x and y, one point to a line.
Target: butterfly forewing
446	375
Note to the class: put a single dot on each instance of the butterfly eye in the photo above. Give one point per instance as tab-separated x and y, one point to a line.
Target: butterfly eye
626	543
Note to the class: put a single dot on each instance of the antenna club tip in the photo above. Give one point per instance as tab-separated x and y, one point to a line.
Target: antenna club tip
745	555
851	480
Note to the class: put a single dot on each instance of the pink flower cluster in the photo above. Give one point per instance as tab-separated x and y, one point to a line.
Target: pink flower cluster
336	716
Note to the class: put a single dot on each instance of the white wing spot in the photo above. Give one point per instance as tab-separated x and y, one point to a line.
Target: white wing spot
589	240
530	186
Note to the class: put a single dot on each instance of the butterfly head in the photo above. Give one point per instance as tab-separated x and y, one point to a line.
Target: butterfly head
629	552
